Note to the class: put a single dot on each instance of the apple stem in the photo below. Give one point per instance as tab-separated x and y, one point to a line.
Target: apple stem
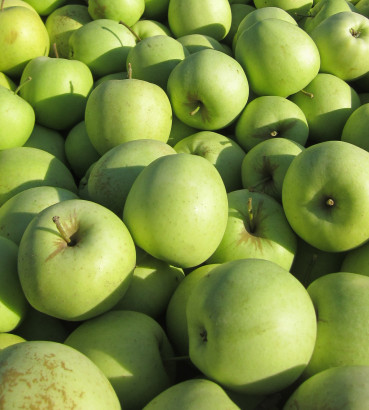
251	214
274	133
329	202
176	358
2	5
138	38
355	33
129	71
55	50
311	95
64	235
27	80
195	111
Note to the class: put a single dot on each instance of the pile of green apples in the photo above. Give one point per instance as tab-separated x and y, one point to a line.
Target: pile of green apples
184	204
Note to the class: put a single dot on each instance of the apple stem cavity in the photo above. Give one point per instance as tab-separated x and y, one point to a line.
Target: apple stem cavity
63	233
138	38
27	80
55	50
311	95
195	111
251	215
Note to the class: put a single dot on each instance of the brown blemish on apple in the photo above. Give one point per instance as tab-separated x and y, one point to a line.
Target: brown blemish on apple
11	37
99	10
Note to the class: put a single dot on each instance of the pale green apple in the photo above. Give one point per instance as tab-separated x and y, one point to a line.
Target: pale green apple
17	212
8	339
25	167
193	394
325	196
128	11
208	90
279	58
61	23
12	3
210	17
327	102
177	209
119	111
239	12
252	326
296	8
356	128
153	58
256	228
66	239
131	349
83	183
58	90
122	75
268	117
224	153
148	28
342	310
41	373
7	82
348	32
115	171
179	131
362	7
156	9
198	42
357	260
264	167
46	7
17	118
23	36
103	45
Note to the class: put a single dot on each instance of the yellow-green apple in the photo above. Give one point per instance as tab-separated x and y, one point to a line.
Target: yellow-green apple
156	10
208	90
239	12
362	7
82	184
325	195
128	11
356	260
356	128
147	28
8	339
7	82
43	373
132	350
177	209
252	326
198	42
65	239
296	8
179	131
46	7
122	75
12	3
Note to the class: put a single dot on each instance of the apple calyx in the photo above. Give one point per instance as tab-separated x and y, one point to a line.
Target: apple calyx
311	95
204	335
274	133
138	38
355	33
63	233
27	80
329	202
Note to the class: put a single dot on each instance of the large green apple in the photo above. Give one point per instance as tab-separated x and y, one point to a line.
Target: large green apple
119	111
210	17
279	58
23	36
356	128
177	209
252	326
64	270
325	196
128	11
132	350
40	374
208	90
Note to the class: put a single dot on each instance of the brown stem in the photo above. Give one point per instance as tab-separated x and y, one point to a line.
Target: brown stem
55	50
129	71
2	5
64	235
138	38
311	95
27	80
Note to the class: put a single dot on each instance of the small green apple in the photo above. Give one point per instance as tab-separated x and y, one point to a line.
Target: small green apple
179	131
148	28
46	7
8	339
239	12
356	128
296	8
362	6
128	11
7	82
156	9
356	260
198	42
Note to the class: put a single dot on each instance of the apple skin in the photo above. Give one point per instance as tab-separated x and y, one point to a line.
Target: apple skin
128	11
28	39
252	326
40	373
325	196
7	82
272	71
142	110
342	309
348	32
198	42
295	8
356	127
177	209
344	387
131	350
100	274
208	90
210	17
156	10
179	131
357	260
148	28
8	339
327	102
239	12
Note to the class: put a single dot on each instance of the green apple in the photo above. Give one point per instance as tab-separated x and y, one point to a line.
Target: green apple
23	36
224	153
115	171
342	309
252	326
153	58
175	315
256	228
119	111
128	11
83	183
191	395
156	9
177	209
49	140
239	12
198	42
356	260
148	28
153	284
279	58
131	349
210	17
25	167
8	339
7	82
17	212
79	150
12	3
327	102
364	98
325	196
356	128
103	45
13	304
362	7
46	7
41	373
122	75
342	387
17	118
58	90
208	90
268	117
296	8
264	167
348	32
61	23
179	131
65	238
